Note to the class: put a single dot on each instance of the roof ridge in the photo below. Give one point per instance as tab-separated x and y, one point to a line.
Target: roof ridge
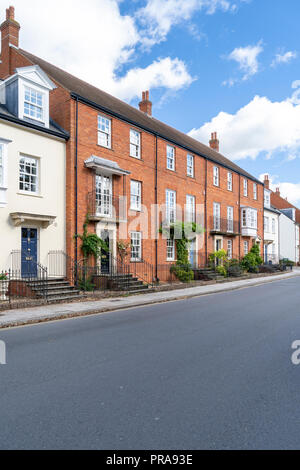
141	119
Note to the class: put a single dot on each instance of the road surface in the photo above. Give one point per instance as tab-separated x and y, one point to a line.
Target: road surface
212	372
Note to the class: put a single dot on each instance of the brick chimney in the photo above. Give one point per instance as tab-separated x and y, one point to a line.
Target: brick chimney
146	105
278	192
10	29
267	182
214	142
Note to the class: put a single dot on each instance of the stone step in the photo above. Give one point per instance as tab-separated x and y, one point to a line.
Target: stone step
63	293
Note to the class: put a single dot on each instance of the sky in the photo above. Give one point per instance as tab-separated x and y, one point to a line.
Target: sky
225	66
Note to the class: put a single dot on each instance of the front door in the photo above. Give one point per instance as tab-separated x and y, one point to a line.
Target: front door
192	252
29	252
105	254
219	246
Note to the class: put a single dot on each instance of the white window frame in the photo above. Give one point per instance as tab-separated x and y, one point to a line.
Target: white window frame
266	224
246	247
170	249
245	186
28	161
229	249
190	163
190	208
136	237
3	164
249	218
216	176
255	191
103	188
230	214
267	199
4	172
170	206
34	106
273	226
104	130
217	216
135	144
135	195
229	181
170	158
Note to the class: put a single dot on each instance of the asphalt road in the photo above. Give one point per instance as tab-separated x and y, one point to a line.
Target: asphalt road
213	372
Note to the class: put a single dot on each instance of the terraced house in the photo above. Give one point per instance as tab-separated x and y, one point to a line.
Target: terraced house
118	155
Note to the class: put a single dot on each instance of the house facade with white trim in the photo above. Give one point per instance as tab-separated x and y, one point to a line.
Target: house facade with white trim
32	173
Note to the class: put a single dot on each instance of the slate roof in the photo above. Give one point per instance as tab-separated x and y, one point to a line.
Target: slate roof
129	113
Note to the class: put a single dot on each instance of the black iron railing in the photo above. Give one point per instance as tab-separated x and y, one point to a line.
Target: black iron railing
30	282
228	226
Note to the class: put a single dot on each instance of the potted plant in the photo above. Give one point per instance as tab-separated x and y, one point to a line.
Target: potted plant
4	285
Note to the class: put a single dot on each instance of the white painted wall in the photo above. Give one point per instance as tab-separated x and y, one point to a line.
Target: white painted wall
51	153
288	231
272	238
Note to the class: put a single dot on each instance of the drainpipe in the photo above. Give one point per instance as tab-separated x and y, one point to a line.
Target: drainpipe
76	184
205	215
240	224
156	200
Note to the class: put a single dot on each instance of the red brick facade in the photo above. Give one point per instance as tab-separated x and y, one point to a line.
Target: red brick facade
80	120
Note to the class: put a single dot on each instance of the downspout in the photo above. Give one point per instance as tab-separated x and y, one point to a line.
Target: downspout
156	209
76	185
205	216
240	224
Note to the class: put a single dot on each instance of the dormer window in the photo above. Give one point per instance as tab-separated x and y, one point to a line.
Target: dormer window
26	95
33	104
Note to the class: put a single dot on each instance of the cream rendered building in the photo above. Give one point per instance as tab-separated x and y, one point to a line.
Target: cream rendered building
32	173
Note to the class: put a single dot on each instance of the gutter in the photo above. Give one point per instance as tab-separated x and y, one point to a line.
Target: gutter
75	96
76	187
156	200
20	122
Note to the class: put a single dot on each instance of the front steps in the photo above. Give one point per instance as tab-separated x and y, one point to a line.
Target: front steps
56	290
127	283
207	274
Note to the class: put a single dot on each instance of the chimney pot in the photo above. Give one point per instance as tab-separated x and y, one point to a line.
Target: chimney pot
146	105
10	13
267	182
214	142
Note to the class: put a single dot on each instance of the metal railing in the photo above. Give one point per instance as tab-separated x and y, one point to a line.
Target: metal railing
218	224
30	282
105	205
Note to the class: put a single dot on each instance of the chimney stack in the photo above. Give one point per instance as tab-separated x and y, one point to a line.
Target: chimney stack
278	191
146	105
267	182
10	29
214	142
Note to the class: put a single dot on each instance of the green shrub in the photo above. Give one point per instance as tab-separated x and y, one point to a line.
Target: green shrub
252	260
86	284
183	272
221	270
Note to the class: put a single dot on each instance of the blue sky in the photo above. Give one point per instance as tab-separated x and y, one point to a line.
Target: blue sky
211	65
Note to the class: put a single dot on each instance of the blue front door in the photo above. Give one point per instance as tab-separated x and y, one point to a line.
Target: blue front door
29	252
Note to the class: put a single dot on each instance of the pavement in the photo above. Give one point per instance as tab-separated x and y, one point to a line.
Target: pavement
212	372
19	317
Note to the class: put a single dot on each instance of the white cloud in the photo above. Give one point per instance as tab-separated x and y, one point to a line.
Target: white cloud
246	57
94	41
284	58
260	126
159	16
291	191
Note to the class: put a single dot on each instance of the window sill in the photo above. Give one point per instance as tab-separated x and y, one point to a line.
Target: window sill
170	169
104	147
25	193
136	158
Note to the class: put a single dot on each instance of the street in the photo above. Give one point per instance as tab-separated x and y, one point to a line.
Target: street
212	372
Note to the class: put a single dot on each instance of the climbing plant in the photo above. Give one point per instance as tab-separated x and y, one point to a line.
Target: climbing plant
178	231
91	244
